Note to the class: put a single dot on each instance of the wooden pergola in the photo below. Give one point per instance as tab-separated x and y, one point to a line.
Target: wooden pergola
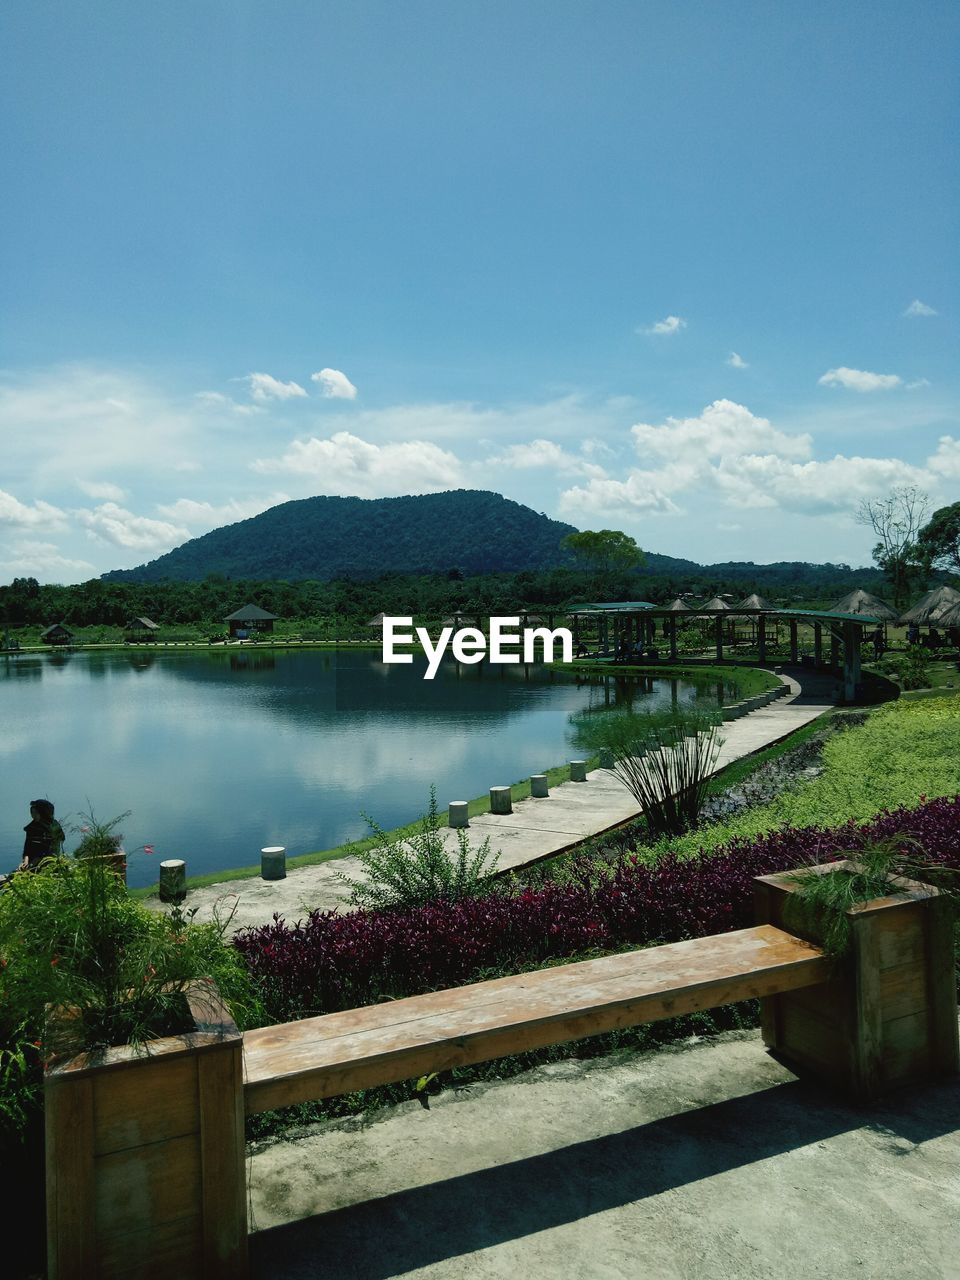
632	625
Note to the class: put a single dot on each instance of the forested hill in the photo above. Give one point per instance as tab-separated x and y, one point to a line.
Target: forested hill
470	530
324	538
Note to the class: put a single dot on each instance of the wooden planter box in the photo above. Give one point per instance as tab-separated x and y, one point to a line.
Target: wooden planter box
145	1155
888	1015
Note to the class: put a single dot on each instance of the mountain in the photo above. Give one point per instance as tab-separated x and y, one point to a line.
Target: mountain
468	529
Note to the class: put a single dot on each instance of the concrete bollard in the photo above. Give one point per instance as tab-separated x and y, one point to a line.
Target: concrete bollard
173	880
501	800
538	786
578	770
457	813
273	863
606	758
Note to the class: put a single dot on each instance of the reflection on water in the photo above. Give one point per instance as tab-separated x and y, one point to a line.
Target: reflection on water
220	753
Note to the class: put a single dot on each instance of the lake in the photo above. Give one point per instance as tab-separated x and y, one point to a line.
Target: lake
219	753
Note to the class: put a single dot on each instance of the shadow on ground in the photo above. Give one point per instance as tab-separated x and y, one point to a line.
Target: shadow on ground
438	1224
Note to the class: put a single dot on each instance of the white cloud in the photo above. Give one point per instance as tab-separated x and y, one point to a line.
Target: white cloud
102	489
946	461
918	384
113	524
918	308
38	515
545	453
736	362
746	463
346	465
334	385
217	400
44	561
206	515
74	422
723	428
263	387
859	379
634	496
668	325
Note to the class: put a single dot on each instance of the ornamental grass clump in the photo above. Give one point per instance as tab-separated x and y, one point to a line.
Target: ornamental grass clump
664	758
826	897
420	868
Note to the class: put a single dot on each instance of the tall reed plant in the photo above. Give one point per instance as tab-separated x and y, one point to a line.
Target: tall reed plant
665	759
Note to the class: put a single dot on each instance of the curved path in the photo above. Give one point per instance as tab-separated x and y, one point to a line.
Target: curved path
536	829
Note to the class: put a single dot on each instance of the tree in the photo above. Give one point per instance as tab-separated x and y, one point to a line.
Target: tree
939	539
897	520
605	551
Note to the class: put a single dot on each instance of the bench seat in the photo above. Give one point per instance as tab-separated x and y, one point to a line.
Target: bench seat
380	1044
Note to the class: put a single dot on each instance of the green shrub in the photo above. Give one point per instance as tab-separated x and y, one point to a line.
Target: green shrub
911	669
420	868
71	936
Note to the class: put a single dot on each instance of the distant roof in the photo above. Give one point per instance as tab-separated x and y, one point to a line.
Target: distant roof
142	622
861	601
57	626
678	606
753	602
716	603
828	615
624	606
930	607
251	613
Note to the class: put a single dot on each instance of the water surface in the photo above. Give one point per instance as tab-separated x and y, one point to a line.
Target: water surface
218	753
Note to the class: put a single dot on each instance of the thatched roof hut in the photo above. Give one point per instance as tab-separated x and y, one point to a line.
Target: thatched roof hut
377	621
929	608
861	601
713	605
678	606
950	617
754	602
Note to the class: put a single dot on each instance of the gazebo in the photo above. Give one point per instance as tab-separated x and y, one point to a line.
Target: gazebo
57	634
250	618
753	601
860	601
141	629
929	608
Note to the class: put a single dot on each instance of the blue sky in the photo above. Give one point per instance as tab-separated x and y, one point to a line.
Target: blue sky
684	269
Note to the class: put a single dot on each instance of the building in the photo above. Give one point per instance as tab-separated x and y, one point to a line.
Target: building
57	634
140	630
250	619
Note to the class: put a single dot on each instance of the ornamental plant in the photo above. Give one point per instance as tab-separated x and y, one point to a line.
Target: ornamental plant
664	759
829	896
331	961
98	839
72	937
420	868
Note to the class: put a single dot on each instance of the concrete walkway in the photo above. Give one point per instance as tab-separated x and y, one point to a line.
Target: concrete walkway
705	1161
536	829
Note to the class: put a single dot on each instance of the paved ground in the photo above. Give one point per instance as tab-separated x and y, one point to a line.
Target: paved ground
535	829
704	1162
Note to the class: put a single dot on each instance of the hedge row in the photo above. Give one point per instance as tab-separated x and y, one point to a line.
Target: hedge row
331	961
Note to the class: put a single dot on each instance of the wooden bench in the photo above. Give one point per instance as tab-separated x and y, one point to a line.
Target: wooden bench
145	1152
381	1044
